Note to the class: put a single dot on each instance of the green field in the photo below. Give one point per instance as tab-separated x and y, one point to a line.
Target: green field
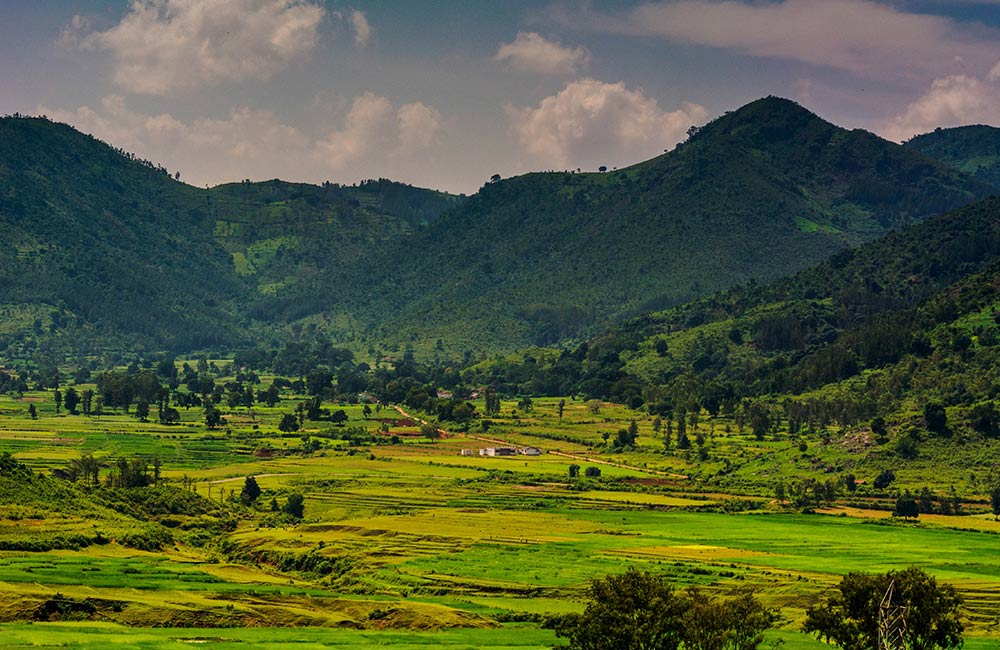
406	543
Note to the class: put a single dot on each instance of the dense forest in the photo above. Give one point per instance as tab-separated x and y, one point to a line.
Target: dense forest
105	252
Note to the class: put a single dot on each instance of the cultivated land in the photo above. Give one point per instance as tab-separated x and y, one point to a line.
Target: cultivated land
406	543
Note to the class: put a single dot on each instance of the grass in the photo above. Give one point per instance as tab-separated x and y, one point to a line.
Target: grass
427	548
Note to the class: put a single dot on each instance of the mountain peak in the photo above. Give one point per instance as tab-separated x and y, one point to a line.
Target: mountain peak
767	120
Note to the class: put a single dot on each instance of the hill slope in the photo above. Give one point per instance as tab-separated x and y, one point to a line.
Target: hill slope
103	250
890	352
99	244
756	194
909	317
100	250
974	150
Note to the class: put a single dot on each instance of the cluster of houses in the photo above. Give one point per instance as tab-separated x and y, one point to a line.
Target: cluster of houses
503	451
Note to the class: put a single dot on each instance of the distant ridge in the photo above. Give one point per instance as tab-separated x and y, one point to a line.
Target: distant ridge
974	150
756	194
103	251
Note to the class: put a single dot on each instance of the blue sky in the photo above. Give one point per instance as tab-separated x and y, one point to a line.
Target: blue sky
444	94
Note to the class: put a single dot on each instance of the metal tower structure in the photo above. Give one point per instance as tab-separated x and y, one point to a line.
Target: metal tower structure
891	622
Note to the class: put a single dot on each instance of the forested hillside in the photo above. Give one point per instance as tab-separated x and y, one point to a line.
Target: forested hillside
888	330
974	150
104	248
756	194
101	250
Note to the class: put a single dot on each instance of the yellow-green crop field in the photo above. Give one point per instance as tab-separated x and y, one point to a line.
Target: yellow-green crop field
407	543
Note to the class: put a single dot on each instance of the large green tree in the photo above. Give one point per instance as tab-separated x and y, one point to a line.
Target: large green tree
640	611
850	617
629	611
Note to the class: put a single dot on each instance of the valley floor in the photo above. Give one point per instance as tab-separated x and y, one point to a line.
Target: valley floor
410	544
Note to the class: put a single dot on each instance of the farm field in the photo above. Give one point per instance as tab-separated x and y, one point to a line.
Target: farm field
407	543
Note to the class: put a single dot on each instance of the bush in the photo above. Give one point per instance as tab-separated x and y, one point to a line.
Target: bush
151	539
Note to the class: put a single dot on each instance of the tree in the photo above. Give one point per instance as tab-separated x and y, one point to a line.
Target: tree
661	347
632	610
884	478
735	624
289	423
574	471
250	492
562	407
906	506
57	396
88	401
995	501
908	444
32	411
492	406
985	419
592	472
170	415
935	418
625	438
71	400
849	618
319	381
879	430
294	506
271	396
142	410
760	419
525	404
213	416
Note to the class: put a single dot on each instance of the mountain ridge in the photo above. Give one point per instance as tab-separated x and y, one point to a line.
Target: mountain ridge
536	259
564	254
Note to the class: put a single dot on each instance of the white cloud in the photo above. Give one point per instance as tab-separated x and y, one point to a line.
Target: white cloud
418	123
362	30
863	37
73	33
257	144
165	45
951	101
590	122
367	127
530	52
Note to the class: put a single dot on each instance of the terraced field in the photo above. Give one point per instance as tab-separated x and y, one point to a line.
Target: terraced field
413	545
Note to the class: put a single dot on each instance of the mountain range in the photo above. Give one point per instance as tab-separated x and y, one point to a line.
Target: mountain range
103	251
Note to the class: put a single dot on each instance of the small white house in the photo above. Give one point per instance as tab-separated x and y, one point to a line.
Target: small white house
467	452
531	451
497	451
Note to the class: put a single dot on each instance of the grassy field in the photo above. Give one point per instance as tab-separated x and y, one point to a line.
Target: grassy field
406	543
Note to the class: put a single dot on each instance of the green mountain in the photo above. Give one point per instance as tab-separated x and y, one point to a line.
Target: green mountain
974	150
280	234
882	329
758	193
882	357
104	251
97	245
100	250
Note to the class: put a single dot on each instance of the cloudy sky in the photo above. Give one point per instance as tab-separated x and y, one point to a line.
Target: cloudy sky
444	93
